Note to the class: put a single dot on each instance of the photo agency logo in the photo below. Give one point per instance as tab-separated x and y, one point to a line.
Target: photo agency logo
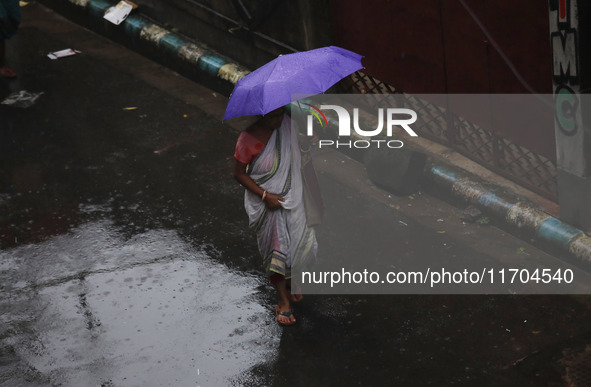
387	118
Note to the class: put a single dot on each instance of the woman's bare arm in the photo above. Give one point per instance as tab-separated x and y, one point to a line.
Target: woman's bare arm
272	200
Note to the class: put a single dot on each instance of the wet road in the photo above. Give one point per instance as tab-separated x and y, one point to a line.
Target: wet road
126	259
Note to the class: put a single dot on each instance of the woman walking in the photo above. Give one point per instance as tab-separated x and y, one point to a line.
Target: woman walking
268	165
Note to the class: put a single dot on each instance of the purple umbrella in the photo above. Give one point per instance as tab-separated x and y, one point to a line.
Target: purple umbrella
302	73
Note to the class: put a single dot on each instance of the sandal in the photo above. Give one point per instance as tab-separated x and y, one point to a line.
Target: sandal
7	72
289	315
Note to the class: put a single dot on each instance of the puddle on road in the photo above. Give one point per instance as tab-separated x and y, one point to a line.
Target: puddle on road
92	308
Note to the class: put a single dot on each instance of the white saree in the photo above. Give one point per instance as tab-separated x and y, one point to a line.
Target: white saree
284	238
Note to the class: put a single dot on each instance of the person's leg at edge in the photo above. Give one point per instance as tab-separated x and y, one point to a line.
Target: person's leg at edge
279	283
2	53
5	72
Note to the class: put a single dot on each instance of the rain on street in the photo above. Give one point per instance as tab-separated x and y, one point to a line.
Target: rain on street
126	258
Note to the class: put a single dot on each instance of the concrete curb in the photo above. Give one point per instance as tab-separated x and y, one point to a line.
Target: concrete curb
511	210
502	206
138	27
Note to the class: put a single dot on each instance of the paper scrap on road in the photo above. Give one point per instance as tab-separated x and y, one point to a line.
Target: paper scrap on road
21	99
118	13
60	54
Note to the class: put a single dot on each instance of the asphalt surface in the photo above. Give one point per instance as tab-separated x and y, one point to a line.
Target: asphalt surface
126	259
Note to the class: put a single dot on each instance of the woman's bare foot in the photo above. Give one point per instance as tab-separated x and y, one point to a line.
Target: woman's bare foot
295	296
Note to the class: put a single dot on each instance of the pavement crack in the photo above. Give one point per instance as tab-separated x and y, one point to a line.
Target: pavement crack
81	276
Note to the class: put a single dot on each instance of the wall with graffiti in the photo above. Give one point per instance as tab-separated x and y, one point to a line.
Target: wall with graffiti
567	81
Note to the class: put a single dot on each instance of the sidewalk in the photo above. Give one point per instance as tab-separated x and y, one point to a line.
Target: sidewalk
126	261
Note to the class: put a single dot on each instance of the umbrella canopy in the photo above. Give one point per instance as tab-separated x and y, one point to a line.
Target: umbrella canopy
302	73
